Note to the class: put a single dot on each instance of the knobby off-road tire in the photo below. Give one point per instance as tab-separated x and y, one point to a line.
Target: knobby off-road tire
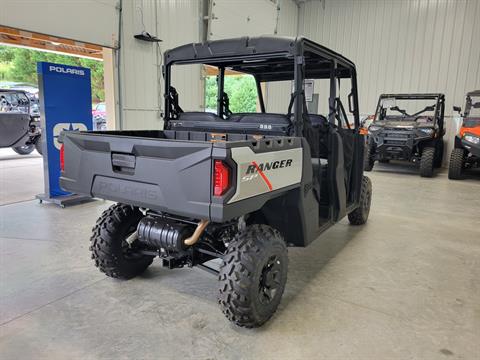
439	146
253	275
359	216
427	162
368	161
38	146
455	168
110	251
23	150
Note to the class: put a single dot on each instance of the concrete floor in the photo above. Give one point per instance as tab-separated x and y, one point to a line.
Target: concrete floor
404	286
21	177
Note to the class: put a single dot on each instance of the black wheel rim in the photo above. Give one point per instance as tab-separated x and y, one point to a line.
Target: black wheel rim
270	280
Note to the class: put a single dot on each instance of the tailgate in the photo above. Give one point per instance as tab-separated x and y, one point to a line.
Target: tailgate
159	174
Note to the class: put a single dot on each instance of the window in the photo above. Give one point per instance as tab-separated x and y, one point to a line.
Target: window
240	88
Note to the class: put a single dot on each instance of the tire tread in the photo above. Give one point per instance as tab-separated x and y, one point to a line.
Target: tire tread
236	277
105	244
455	168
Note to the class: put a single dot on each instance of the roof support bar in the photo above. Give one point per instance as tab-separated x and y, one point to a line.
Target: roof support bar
299	72
220	85
260	95
333	93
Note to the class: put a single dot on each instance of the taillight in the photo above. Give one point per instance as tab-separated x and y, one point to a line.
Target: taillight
221	178
62	157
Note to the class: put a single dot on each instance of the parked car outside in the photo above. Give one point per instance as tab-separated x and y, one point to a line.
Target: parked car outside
99	116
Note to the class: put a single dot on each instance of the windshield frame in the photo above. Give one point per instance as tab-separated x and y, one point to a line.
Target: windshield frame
438	111
469	106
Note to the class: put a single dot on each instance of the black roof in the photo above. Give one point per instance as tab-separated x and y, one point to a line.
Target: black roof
13	90
414	96
474	93
268	58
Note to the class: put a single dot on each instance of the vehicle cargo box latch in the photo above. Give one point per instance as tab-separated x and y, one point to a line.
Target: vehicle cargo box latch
124	163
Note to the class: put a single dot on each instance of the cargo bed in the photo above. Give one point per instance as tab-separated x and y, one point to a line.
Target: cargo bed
171	171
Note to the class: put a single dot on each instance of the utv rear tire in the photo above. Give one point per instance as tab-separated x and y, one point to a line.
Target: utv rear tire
455	168
368	161
23	150
359	216
38	145
110	251
427	162
253	275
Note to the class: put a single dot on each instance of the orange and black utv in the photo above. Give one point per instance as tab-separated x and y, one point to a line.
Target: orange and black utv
466	153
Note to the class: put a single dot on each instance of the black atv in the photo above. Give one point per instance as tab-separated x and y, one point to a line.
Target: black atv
466	152
18	129
237	187
408	127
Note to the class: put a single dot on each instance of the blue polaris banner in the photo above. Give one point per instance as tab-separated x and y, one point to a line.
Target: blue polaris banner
66	104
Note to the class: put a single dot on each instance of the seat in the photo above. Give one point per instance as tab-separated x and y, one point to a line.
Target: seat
198	116
260	118
243	123
318	120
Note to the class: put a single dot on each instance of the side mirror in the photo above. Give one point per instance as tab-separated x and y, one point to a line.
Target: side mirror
457	109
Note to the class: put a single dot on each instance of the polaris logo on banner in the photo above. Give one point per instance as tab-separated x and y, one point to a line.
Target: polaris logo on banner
57	129
63	70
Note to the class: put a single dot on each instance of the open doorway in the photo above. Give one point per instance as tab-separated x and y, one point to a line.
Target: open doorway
21	167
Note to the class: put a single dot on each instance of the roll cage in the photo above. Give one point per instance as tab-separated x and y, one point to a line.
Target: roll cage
15	100
470	103
439	108
269	59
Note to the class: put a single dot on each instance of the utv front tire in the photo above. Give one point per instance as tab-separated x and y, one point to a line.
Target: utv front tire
439	146
455	168
23	150
368	161
359	216
38	145
253	275
427	162
110	250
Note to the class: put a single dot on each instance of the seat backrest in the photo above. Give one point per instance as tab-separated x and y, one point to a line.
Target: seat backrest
260	118
198	116
317	120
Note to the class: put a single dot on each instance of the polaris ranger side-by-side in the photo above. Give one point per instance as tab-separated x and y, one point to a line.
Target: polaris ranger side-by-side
466	152
19	130
239	187
408	127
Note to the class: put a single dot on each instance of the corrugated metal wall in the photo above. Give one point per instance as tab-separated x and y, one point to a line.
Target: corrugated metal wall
277	95
176	22
401	45
233	18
